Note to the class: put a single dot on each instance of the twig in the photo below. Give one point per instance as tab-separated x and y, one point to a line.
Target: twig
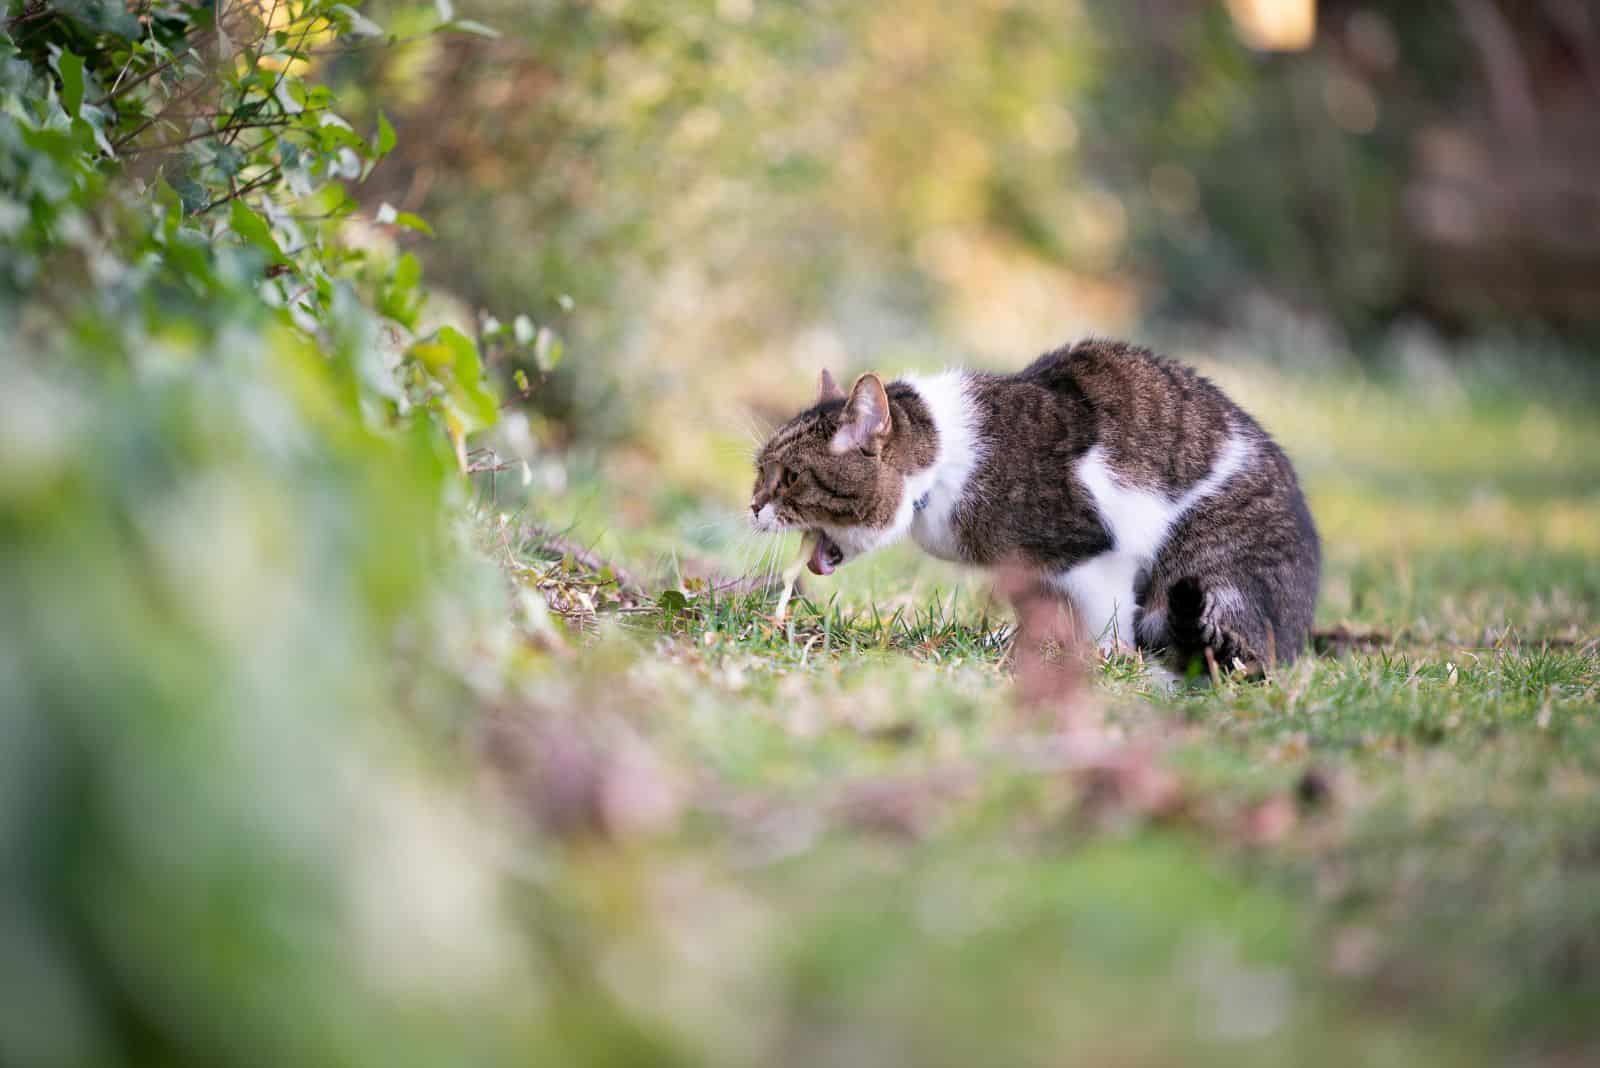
244	190
111	93
387	42
311	24
583	557
150	29
264	124
184	96
29	14
523	394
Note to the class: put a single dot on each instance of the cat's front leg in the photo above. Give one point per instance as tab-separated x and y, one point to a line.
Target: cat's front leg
1101	592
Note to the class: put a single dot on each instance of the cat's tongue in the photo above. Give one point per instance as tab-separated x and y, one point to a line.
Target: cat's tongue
823	554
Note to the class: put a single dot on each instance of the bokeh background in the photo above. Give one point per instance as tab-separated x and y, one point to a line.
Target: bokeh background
757	188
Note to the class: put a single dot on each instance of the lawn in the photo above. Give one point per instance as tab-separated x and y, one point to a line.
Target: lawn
848	838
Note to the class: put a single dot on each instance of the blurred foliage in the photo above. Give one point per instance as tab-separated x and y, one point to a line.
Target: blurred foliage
228	458
716	182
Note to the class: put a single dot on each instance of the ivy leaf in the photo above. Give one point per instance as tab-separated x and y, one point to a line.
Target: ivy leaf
412	221
179	173
401	299
254	229
386	137
95	119
471	393
171	206
408	272
70	67
334	133
228	160
451	359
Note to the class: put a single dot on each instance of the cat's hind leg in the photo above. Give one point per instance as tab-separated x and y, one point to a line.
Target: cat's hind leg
1216	626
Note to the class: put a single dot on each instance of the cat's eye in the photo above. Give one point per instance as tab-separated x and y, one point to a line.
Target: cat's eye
788	477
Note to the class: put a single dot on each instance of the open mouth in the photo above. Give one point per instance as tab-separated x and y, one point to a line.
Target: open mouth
825	555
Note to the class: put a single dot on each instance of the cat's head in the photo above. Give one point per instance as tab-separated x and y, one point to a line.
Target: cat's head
832	469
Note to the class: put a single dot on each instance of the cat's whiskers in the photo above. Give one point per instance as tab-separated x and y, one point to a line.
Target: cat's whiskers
755	557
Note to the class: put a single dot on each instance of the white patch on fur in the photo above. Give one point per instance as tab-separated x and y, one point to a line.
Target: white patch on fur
854	541
766	520
956	424
1235	454
960	449
1101	591
1139	522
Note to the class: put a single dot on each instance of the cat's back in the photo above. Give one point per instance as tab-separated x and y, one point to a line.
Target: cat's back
1159	422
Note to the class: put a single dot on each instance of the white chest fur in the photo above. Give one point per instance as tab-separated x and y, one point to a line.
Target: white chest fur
1139	521
940	487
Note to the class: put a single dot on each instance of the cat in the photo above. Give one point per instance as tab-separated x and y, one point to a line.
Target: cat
1130	485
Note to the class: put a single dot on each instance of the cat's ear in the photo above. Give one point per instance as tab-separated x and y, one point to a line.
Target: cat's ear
865	423
827	388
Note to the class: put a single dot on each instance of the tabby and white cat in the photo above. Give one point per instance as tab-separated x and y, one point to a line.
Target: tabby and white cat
1162	513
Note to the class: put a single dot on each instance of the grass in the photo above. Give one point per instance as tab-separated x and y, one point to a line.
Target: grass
1386	854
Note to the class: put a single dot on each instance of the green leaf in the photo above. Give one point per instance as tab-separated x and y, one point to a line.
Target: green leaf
408	272
412	221
254	229
332	135
170	204
94	120
331	200
432	355
400	299
388	216
470	392
70	67
672	601
386	137
228	160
